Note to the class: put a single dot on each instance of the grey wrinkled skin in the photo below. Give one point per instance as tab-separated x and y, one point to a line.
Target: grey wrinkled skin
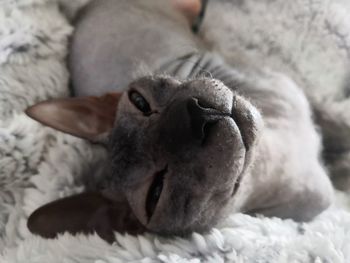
260	156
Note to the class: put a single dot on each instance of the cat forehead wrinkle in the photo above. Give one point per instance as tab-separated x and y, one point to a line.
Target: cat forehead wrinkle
155	83
164	88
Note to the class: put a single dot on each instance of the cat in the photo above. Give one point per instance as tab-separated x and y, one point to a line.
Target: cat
190	136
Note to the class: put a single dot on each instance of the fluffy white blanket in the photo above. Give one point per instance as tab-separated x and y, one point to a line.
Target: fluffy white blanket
309	40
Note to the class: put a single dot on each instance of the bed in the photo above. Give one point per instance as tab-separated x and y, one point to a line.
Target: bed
307	39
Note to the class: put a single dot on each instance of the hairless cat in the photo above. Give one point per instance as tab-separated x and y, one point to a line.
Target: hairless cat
193	139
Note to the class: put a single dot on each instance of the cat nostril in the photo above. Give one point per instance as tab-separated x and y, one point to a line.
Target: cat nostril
202	118
204	105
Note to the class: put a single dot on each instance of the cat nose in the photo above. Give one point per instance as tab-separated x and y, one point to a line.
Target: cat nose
202	117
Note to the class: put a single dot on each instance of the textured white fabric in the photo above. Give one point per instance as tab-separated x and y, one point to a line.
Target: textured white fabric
309	40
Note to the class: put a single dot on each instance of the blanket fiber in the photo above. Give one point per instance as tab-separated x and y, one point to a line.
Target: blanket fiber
306	39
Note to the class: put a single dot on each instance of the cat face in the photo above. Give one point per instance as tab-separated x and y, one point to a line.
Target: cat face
179	149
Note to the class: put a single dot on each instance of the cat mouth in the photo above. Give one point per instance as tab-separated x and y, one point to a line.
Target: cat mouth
242	114
249	121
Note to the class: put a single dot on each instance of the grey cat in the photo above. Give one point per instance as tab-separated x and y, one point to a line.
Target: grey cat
194	139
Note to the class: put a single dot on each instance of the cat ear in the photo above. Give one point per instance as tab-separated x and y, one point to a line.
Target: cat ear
84	213
85	117
190	8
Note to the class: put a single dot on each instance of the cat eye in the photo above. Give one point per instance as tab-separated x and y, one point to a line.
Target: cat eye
140	102
155	192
